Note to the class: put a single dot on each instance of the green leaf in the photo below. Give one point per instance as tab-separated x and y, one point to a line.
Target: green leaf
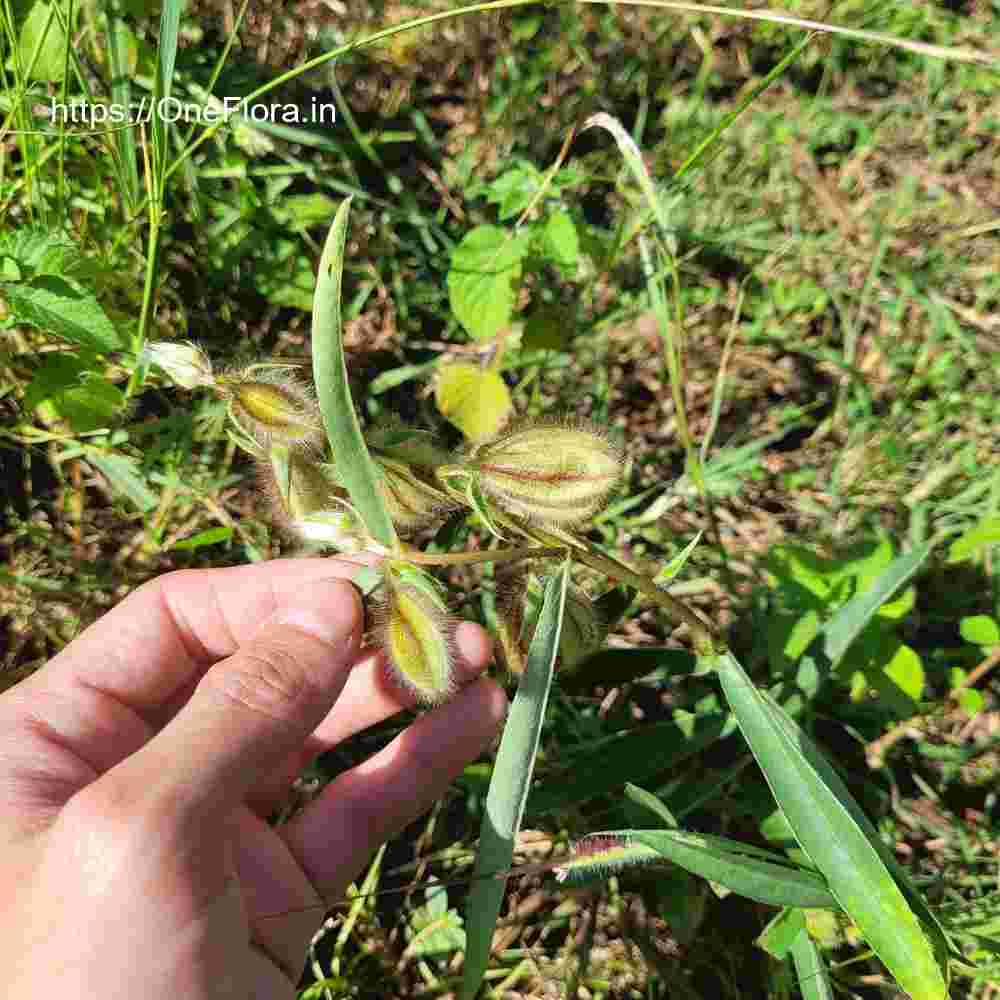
61	307
39	251
637	755
482	281
987	532
651	802
90	406
210	536
42	31
510	783
434	929
780	933
355	467
749	871
981	630
814	979
678	562
559	240
846	625
823	818
475	400
124	476
303	210
514	189
970	701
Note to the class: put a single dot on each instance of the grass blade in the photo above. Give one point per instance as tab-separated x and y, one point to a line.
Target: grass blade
166	57
846	625
756	874
354	465
835	843
510	783
814	980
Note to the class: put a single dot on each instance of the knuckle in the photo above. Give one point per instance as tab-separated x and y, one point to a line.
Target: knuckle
271	680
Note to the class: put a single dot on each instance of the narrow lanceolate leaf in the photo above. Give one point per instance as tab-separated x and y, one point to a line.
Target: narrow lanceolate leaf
549	472
510	783
757	874
834	842
846	625
814	980
355	467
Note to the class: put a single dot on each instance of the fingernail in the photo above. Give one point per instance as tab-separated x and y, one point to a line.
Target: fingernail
327	609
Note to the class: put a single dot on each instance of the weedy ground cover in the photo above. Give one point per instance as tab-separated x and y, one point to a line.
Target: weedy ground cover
668	333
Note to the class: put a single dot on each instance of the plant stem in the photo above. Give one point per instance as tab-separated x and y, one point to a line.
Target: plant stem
491	556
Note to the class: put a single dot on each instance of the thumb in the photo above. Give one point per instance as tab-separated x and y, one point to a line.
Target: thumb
251	710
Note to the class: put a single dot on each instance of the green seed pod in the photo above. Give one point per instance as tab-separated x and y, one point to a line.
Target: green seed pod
187	364
413	503
416	633
550	473
407	444
273	407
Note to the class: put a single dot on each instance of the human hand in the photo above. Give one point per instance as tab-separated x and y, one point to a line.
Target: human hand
138	766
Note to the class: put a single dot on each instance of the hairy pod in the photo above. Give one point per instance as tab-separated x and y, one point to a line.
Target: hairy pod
412	502
415	630
549	473
511	594
274	407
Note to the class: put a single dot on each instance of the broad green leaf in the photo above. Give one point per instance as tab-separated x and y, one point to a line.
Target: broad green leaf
803	576
780	933
125	477
91	405
826	828
743	869
42	42
513	190
510	784
847	624
476	400
982	630
60	307
355	467
814	979
906	671
987	532
58	371
559	240
605	765
39	251
483	278
210	536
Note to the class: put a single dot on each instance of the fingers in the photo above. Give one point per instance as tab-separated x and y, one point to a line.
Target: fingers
253	709
334	836
369	697
148	652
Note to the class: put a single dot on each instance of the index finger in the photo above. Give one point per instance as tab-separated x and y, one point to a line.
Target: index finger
153	647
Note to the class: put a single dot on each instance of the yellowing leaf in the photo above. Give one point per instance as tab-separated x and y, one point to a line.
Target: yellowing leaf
477	402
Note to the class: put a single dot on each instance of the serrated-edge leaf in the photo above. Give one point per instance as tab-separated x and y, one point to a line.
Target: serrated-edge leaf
53	303
835	843
846	625
355	466
731	864
814	979
510	783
